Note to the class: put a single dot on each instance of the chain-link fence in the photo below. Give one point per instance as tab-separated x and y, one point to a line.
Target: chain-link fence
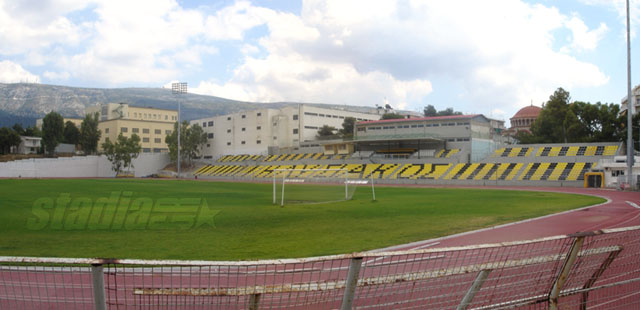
595	270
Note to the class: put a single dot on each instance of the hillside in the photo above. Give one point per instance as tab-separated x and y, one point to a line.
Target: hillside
27	102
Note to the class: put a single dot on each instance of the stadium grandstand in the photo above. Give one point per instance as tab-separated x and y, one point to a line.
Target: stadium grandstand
543	164
456	149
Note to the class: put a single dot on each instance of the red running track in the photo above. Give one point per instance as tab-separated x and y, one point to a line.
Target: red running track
618	211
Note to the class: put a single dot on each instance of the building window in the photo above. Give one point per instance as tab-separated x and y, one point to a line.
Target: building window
124	129
134	130
210	123
158	132
259	127
244	116
208	145
242	142
204	124
166	117
295	117
106	130
310	114
210	135
228	143
243	129
258	142
259	114
295	131
228	130
146	150
157	140
145	139
168	132
275	138
145	130
229	118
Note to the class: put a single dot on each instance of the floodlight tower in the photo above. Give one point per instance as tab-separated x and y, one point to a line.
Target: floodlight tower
179	89
630	105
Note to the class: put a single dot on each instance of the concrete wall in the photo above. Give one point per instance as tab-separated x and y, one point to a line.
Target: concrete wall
78	167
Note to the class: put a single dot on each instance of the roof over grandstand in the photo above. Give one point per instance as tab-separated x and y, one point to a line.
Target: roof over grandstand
430	118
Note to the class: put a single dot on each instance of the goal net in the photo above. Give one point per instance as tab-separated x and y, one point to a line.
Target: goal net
306	186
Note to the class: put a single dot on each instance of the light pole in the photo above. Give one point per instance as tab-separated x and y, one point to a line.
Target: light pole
178	89
629	106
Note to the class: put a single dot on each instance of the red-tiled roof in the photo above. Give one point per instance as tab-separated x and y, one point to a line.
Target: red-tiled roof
528	112
430	118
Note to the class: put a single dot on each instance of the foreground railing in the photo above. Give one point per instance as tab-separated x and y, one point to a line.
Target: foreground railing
594	270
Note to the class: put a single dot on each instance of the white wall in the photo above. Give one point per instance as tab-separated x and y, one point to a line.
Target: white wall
78	167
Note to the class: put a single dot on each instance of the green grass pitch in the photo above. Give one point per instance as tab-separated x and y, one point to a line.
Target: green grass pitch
168	219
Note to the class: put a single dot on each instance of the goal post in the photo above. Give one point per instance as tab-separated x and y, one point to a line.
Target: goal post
300	186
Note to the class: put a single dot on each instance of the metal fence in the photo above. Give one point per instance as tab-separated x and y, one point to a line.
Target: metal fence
594	270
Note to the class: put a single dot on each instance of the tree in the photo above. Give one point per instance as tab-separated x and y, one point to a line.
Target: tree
448	112
122	153
33	131
192	138
18	129
430	110
347	127
71	133
557	123
52	132
8	138
391	116
89	134
326	132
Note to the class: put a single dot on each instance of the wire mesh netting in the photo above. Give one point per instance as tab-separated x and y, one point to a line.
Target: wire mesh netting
596	270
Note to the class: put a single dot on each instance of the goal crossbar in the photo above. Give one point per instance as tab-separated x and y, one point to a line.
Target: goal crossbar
314	172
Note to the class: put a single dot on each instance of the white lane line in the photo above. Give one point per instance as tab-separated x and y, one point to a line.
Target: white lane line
633	204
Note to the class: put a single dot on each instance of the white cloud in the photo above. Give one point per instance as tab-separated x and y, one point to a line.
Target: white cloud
501	53
11	72
57	76
582	38
29	25
359	52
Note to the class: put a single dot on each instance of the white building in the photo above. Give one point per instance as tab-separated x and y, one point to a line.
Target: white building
270	131
635	98
475	136
29	145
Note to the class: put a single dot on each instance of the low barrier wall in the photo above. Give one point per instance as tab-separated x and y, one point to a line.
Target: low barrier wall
78	167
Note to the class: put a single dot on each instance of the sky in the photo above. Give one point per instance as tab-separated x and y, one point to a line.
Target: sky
491	57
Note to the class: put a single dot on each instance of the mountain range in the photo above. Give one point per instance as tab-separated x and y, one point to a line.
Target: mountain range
25	102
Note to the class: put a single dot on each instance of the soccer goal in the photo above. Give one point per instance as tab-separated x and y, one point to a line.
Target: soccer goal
305	186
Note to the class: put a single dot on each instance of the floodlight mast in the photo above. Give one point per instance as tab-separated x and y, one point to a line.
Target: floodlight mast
630	104
178	89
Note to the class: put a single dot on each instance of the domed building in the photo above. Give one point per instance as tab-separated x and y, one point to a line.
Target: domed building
524	118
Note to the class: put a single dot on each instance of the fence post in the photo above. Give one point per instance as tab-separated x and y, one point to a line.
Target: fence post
475	287
254	301
351	283
97	277
564	272
605	264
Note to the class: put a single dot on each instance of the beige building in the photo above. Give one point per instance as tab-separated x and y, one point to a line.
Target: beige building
150	124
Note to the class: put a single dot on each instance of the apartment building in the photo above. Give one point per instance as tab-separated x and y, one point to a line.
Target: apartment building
150	124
